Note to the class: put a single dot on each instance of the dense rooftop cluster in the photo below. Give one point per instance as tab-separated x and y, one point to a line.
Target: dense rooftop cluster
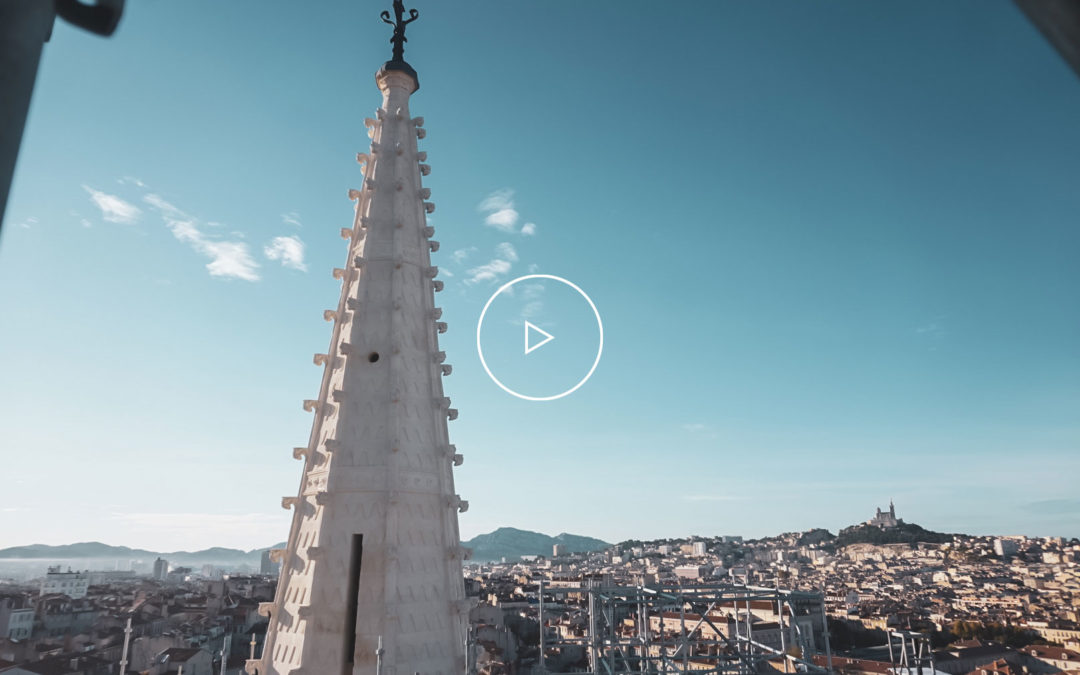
988	606
183	621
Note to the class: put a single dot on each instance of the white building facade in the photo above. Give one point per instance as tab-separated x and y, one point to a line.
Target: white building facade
72	584
16	622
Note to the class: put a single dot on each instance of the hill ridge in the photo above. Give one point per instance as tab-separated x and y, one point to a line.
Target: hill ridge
512	543
508	542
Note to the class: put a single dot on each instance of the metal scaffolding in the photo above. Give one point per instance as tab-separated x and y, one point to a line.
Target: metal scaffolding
639	630
910	653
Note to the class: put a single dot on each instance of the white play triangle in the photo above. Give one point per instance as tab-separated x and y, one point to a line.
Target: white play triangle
529	346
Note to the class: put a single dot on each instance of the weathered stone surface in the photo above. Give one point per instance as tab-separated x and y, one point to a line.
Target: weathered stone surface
377	461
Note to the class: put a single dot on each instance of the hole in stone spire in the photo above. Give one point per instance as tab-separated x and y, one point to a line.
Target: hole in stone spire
373	357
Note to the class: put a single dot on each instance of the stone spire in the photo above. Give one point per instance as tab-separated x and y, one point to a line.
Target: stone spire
373	553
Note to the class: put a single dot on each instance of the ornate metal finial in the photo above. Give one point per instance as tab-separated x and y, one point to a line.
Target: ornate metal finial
398	39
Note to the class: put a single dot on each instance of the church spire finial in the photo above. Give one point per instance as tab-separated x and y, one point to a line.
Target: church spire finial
398	39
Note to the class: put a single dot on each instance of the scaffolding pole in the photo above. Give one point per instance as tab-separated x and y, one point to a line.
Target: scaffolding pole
540	612
683	644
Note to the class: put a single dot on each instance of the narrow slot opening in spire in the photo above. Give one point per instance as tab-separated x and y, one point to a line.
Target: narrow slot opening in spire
353	602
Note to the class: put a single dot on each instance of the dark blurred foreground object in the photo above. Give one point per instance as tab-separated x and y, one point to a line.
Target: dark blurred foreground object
1059	22
25	26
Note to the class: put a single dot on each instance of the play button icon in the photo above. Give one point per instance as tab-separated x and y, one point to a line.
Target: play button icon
543	304
529	329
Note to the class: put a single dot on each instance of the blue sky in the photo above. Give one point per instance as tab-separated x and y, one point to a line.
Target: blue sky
833	244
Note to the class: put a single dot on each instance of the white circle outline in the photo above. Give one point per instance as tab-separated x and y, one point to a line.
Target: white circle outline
480	349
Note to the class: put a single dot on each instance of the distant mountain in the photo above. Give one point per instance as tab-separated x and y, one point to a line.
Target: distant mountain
904	533
95	550
505	542
86	549
512	543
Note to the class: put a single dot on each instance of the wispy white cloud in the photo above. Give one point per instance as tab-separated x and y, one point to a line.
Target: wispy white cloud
131	180
530	310
82	221
532	291
461	254
230	259
489	272
288	250
28	223
498	200
163	206
499	206
695	427
506	251
503	219
533	304
502	213
505	257
291	218
227	258
113	208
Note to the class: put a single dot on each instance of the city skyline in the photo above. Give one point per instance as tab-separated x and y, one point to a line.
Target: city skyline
832	247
